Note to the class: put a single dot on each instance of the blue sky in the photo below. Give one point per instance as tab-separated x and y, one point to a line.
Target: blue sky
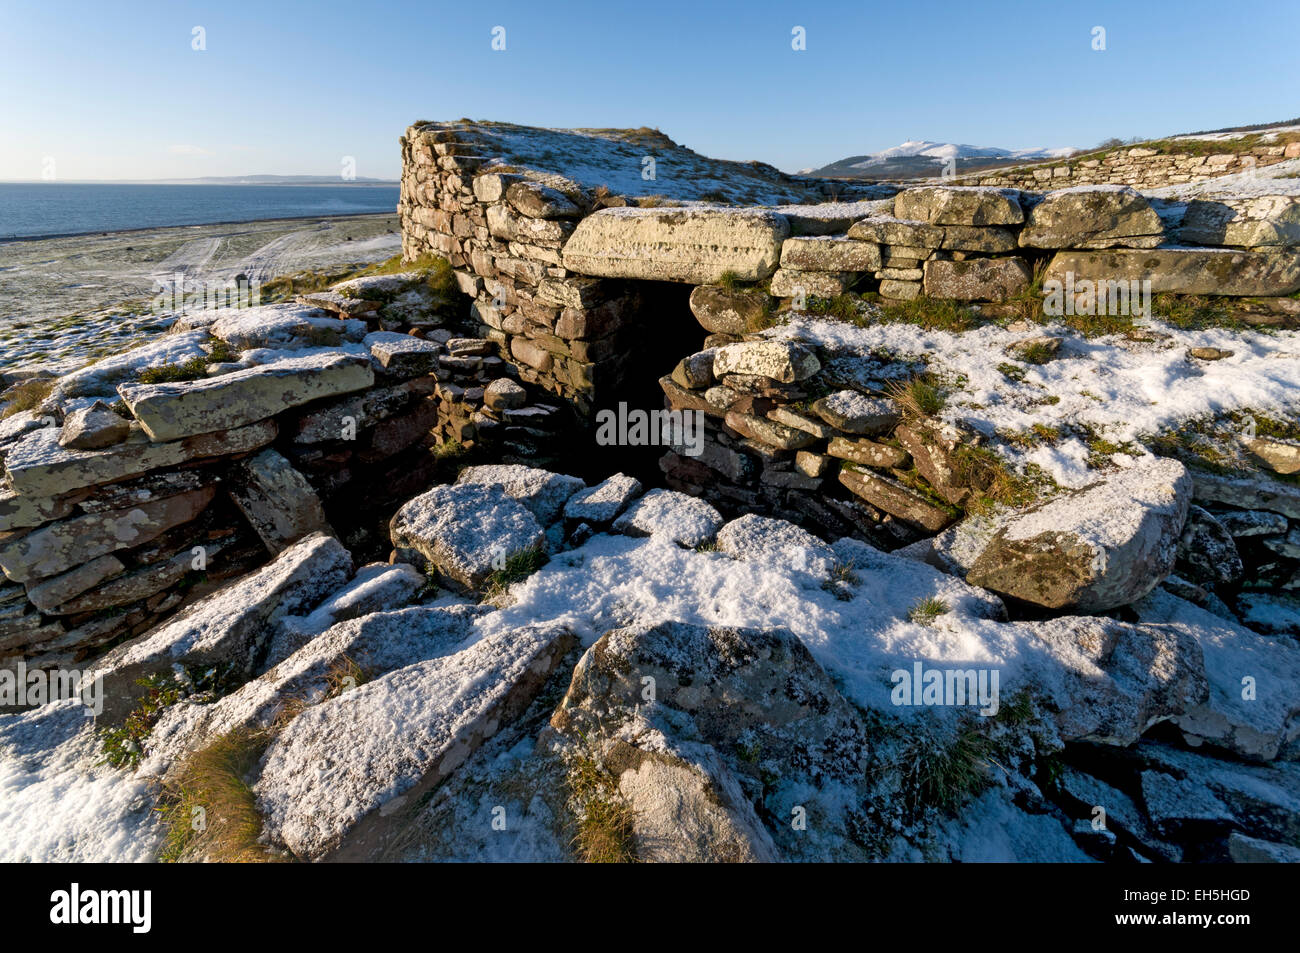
115	90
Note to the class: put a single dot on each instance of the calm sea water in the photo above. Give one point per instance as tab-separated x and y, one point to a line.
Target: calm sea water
33	209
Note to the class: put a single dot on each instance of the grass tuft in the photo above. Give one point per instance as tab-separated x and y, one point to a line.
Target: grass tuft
918	397
28	395
927	610
518	566
209	810
605	829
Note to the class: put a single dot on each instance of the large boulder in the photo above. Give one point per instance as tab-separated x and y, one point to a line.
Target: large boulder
666	513
466	532
344	776
959	205
695	245
174	411
727	708
723	311
544	493
1193	271
1247	222
1093	216
1094	549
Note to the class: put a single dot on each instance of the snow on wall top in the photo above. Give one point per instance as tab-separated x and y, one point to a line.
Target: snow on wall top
616	159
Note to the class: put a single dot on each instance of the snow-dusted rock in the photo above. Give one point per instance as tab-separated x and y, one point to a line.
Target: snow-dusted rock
366	647
1107	681
37	466
504	394
763	539
681	518
544	493
695	245
231	627
335	782
1254	704
465	531
856	413
1184	787
604	501
717	691
403	355
1094	549
174	411
100	378
277	500
1206	551
376	586
1092	216
284	326
781	361
738	311
1122	812
1247	222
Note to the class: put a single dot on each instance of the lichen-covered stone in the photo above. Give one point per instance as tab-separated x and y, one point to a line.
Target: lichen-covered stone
674	244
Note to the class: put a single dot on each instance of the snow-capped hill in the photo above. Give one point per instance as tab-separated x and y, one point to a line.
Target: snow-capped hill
922	157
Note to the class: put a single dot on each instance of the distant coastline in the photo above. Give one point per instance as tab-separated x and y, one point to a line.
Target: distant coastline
110	232
33	211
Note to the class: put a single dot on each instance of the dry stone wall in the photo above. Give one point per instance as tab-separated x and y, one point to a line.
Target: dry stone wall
123	499
1139	167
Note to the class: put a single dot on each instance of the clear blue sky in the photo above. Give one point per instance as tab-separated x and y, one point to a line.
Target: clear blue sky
114	90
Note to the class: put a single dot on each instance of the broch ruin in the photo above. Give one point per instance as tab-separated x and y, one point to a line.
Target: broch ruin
881	447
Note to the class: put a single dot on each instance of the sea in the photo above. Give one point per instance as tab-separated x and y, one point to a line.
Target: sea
47	209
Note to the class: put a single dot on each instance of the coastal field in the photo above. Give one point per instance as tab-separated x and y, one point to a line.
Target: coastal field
69	299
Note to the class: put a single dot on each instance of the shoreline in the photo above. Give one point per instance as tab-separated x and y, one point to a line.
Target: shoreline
154	228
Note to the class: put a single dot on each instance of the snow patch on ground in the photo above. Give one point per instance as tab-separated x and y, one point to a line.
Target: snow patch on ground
1119	388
